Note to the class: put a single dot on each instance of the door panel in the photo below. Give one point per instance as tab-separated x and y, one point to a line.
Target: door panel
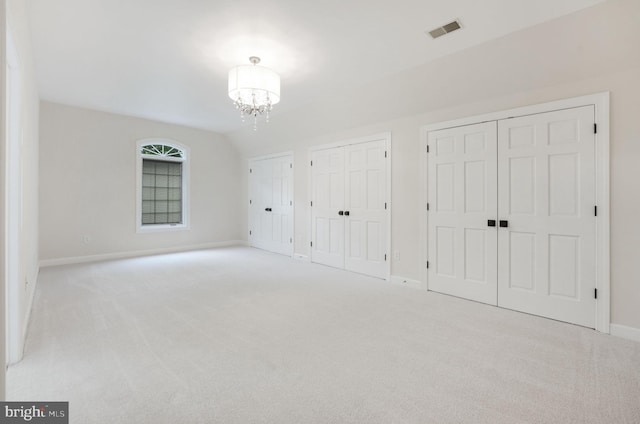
365	181
282	204
462	198
546	193
271	207
254	211
261	226
328	199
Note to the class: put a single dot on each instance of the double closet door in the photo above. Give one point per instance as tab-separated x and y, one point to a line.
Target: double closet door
271	204
511	220
349	207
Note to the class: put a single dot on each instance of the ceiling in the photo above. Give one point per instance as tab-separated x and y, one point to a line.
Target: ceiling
167	60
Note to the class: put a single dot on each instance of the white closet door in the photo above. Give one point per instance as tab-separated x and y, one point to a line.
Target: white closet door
271	210
327	181
462	186
260	223
265	199
547	197
365	194
281	204
254	210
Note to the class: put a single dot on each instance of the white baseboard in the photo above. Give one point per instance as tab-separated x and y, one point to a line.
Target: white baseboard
629	333
136	253
27	320
16	356
29	310
301	257
406	282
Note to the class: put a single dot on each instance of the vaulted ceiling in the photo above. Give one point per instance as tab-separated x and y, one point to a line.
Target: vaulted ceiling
168	60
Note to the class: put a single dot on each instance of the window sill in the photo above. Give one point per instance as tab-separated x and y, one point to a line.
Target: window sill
161	228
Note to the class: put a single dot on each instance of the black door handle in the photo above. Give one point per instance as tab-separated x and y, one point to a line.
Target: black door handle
346	213
491	223
267	209
504	224
340	213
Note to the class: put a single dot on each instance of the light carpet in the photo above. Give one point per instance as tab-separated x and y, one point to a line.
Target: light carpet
238	335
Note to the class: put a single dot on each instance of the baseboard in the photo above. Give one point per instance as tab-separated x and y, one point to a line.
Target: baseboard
14	356
406	282
300	257
136	253
629	333
27	321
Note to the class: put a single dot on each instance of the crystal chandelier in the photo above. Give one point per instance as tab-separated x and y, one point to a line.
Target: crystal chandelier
254	90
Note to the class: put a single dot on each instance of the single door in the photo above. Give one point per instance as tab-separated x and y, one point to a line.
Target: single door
546	206
462	196
271	204
327	210
281	206
264	198
365	208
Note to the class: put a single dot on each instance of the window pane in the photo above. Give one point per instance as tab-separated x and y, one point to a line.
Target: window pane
175	181
162	207
162	168
148	218
148	193
161	192
148	180
148	207
161	150
148	167
162	181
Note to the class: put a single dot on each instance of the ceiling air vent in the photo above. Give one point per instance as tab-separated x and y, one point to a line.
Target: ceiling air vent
445	29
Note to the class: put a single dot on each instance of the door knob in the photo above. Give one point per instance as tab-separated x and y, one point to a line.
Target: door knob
346	213
491	223
340	213
504	224
267	209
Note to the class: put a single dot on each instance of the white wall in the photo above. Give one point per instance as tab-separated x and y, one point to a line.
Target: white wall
27	188
3	144
88	185
587	52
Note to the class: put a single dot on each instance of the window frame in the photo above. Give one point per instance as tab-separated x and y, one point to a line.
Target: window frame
154	228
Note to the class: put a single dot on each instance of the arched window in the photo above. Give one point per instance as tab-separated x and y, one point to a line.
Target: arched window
162	185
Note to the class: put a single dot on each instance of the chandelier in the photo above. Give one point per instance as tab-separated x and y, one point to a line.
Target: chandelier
254	90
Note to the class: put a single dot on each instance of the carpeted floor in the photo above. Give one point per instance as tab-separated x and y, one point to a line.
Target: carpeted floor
243	336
